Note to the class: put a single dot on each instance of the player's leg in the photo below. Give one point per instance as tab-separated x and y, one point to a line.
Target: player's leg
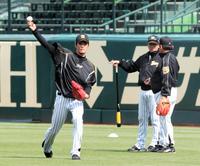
162	128
77	111
170	132
162	136
166	128
155	122
169	125
143	122
58	119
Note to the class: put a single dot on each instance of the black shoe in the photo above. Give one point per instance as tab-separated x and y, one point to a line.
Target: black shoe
136	149
75	157
48	154
173	149
150	148
158	148
169	149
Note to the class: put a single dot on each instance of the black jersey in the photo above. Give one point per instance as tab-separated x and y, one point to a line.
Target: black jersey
163	71
69	66
140	66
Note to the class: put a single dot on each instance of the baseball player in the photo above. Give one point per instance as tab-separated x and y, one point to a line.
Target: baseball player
68	66
163	71
147	105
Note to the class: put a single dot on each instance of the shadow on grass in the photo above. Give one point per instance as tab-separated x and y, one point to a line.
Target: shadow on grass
32	157
112	150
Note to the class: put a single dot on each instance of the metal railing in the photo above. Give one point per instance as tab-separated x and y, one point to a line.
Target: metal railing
192	7
154	17
159	24
109	26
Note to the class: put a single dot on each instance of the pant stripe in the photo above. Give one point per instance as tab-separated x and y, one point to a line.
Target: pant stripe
61	107
146	110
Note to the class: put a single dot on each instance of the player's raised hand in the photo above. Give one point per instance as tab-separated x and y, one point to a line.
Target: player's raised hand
114	62
31	25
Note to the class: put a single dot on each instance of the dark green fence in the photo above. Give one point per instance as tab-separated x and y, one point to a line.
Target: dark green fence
27	88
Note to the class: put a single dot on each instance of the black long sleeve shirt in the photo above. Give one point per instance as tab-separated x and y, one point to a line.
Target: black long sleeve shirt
140	66
163	71
68	66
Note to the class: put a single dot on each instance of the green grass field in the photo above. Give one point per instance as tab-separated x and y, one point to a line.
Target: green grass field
20	145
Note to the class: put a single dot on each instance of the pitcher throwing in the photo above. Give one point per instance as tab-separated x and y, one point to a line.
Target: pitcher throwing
69	67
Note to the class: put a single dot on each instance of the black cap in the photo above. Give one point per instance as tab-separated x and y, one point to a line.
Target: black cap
82	37
153	39
166	42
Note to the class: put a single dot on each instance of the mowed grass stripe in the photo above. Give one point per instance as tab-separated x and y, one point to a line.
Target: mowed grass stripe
20	145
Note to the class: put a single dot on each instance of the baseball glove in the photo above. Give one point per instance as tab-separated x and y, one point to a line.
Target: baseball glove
163	106
78	91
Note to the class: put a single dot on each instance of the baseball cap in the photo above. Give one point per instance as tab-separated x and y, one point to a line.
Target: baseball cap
153	39
82	37
166	42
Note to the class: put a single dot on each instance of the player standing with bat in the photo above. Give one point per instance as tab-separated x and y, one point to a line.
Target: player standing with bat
147	103
74	78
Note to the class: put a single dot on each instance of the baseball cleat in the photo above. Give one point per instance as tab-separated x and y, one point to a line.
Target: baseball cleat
173	149
158	148
169	149
48	154
75	157
150	148
136	149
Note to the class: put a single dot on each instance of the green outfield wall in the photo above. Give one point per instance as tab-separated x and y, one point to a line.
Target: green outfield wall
27	89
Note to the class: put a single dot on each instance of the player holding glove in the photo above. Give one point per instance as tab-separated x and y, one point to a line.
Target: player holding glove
163	80
78	91
70	68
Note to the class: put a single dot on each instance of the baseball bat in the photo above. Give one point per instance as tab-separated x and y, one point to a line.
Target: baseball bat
118	113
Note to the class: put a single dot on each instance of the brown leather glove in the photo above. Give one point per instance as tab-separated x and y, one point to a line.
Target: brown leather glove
78	91
163	106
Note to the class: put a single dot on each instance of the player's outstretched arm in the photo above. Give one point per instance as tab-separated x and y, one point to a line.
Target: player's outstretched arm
32	26
127	65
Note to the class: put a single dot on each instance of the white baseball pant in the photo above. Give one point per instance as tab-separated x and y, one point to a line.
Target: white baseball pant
166	127
62	106
146	109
